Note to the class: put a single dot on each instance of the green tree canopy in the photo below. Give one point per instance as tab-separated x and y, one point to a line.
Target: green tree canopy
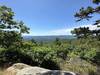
86	13
10	29
7	20
82	32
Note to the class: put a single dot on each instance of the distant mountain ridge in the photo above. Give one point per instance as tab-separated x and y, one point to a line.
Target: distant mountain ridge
48	38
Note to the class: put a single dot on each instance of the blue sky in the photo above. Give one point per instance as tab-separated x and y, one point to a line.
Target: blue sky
49	17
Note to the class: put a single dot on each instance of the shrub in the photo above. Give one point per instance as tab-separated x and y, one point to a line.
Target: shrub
10	56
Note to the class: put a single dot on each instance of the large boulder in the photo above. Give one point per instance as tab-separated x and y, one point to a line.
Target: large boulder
32	71
15	68
23	69
58	72
42	71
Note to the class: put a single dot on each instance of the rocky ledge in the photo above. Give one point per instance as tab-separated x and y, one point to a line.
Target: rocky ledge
23	69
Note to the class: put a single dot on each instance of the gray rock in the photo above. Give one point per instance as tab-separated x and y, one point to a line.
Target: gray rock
58	72
32	71
23	69
15	68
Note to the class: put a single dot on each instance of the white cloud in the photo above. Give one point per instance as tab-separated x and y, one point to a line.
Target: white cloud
92	27
67	31
31	33
62	31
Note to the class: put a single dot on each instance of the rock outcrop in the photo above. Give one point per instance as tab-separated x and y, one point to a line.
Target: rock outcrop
23	69
32	71
57	72
15	68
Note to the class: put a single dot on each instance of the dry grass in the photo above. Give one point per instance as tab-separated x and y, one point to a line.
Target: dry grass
1	72
81	67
